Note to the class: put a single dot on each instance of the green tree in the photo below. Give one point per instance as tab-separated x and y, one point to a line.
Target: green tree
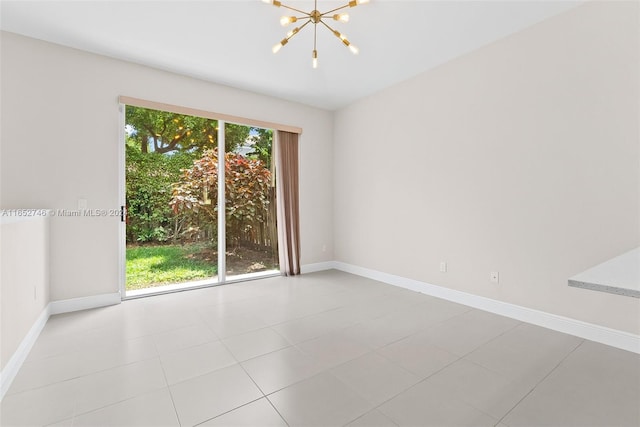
159	145
149	179
165	132
262	145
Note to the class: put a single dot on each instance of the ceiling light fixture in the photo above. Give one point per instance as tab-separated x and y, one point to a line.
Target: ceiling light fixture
315	17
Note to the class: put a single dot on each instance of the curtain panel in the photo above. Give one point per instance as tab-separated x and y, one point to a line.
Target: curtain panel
288	202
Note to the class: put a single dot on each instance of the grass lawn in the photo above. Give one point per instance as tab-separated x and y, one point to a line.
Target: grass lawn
149	266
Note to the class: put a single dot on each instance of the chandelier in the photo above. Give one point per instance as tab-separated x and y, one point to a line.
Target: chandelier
315	17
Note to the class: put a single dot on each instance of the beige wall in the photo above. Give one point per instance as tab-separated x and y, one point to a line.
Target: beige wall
59	137
24	279
521	157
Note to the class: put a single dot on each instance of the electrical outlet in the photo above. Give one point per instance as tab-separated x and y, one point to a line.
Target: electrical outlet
494	277
443	267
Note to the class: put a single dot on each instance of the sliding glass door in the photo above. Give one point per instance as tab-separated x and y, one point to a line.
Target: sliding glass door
195	217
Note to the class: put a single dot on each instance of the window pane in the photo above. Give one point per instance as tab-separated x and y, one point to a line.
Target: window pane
251	232
171	196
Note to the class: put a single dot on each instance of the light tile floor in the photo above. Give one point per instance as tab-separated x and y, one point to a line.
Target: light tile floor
327	349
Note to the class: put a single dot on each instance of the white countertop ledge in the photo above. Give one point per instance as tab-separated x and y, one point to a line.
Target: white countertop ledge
620	275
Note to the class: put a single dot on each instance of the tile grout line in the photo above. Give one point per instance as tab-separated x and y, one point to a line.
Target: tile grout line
264	396
77	377
542	380
77	414
375	351
157	356
435	372
403	391
220	340
230	410
164	372
276	409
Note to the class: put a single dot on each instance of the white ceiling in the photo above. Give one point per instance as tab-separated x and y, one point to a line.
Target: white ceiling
229	42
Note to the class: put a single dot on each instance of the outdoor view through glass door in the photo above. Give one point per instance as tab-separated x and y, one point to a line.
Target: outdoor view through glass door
172	180
250	198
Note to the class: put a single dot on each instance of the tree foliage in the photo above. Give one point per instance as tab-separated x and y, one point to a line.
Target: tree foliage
149	178
262	145
166	132
167	153
247	186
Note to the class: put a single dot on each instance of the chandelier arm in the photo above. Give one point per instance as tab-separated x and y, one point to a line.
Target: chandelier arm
326	25
299	29
335	10
297	10
304	25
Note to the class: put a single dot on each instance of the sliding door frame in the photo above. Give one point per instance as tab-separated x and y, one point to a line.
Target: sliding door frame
222	202
222	119
122	201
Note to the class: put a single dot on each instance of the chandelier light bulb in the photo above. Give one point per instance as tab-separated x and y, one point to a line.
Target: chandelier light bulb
273	2
276	48
341	17
286	20
353	49
293	32
354	3
314	61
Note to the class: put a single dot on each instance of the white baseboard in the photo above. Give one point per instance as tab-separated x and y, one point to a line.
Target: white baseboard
8	374
84	303
321	266
589	331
